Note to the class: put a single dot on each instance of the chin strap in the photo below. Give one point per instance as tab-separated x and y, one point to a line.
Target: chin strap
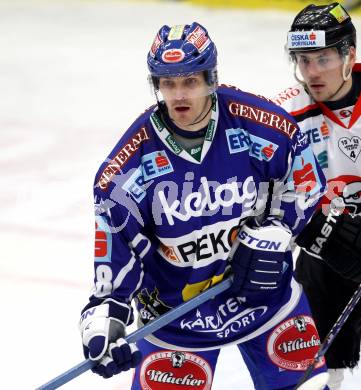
164	110
345	64
204	107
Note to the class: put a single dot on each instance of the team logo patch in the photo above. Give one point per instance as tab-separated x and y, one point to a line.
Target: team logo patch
151	306
167	370
345	113
293	344
173	55
343	194
156	164
239	141
351	147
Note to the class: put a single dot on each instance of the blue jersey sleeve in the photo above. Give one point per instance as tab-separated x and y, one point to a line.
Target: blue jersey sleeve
284	159
121	243
298	184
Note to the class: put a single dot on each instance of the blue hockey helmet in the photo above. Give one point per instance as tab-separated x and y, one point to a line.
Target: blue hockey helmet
181	50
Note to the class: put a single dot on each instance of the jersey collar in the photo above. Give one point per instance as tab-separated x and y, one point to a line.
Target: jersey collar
170	142
356	113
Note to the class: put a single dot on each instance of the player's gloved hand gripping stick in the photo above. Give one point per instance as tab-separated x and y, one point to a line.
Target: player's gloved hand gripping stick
142	332
258	259
254	268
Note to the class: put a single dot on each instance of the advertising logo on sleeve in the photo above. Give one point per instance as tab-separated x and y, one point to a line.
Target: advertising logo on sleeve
293	344
304	177
103	241
263	117
135	185
240	140
167	370
156	164
122	157
286	95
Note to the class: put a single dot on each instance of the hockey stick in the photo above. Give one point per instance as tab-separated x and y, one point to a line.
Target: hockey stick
332	334
145	330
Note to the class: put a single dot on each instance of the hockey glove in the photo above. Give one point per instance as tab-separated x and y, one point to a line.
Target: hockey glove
103	334
257	263
335	238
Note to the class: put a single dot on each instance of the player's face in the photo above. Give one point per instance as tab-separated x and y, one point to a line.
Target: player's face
186	97
322	72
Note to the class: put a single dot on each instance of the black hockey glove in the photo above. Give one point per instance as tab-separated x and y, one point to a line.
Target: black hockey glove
335	238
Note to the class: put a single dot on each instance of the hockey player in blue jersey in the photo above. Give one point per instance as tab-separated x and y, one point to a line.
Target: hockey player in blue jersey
204	170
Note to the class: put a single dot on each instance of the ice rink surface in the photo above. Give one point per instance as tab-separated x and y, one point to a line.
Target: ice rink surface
72	79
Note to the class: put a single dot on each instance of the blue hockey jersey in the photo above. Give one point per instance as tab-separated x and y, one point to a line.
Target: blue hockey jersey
165	221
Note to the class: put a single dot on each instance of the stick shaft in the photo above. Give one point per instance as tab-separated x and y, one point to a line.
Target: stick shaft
142	332
337	326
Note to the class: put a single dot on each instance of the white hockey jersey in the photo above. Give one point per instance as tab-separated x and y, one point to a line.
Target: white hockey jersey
334	131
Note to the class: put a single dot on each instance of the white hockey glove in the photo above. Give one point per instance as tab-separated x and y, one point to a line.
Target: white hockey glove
257	263
103	330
